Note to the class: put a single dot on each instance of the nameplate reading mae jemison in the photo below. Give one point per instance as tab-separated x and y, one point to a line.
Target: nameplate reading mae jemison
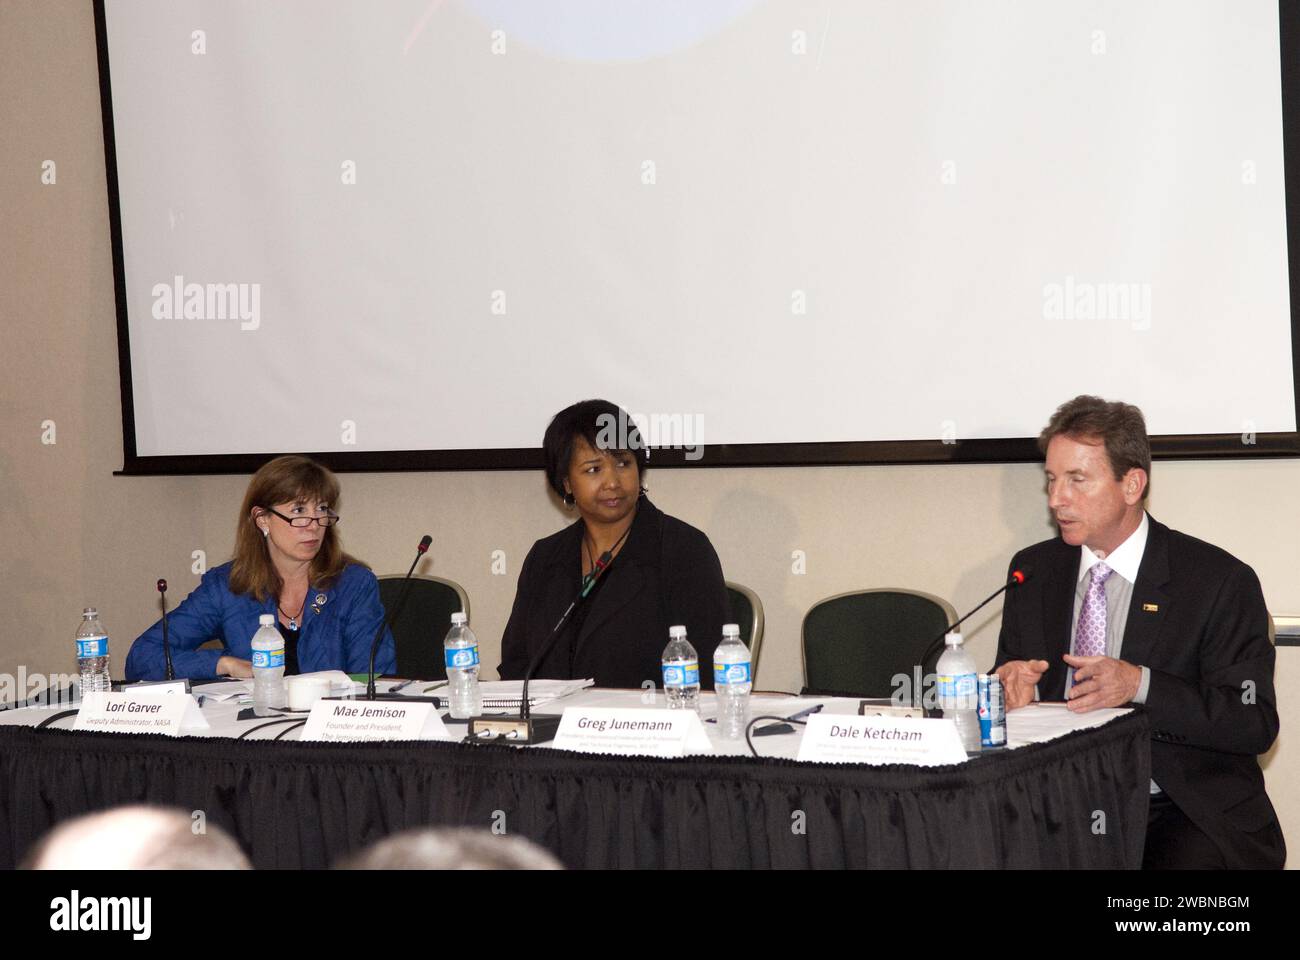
880	740
632	732
374	720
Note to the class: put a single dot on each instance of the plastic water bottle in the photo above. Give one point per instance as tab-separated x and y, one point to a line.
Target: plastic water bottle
732	681
681	672
959	691
92	653
269	694
460	650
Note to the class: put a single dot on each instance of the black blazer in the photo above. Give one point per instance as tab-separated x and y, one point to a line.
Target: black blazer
667	573
1198	621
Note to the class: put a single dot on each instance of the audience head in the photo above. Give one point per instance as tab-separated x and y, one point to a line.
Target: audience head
136	838
451	848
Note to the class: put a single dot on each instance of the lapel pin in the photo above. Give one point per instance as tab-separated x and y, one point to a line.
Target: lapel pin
1150	607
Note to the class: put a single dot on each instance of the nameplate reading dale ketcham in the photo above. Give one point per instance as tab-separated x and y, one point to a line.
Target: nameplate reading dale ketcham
880	740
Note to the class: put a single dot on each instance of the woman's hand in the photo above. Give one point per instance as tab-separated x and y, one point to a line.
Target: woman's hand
234	667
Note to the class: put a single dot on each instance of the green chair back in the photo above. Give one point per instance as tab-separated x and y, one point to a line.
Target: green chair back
857	643
422	623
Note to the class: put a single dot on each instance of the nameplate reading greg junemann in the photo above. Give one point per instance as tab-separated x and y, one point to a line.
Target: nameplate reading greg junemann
632	732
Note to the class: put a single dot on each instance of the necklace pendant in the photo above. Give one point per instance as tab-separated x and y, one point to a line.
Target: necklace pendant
293	623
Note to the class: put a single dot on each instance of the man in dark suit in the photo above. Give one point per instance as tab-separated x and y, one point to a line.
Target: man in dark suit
1122	610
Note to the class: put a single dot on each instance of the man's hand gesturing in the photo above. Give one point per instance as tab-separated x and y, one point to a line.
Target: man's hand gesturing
1019	677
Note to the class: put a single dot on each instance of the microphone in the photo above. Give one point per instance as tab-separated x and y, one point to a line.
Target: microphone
392	614
169	675
526	728
167	647
1018	576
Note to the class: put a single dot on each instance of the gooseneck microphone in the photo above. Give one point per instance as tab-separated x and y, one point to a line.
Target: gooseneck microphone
167	646
1018	577
526	728
392	614
588	584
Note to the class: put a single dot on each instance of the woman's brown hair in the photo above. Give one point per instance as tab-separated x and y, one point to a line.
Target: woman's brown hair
285	480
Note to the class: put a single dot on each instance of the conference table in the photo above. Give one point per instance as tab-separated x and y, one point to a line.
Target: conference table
1070	792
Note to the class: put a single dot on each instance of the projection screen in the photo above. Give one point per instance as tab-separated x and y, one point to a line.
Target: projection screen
402	235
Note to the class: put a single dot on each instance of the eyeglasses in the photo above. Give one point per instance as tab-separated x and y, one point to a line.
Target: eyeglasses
325	519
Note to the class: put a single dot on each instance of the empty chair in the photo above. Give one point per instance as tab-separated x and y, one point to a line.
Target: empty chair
422	622
857	643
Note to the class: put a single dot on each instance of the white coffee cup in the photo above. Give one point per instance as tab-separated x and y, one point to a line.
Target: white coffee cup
305	691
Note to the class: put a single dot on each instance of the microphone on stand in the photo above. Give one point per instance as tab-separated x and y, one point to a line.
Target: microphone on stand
169	673
1018	577
167	647
392	615
526	728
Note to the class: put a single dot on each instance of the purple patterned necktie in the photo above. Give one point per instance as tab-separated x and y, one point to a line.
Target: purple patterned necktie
1090	635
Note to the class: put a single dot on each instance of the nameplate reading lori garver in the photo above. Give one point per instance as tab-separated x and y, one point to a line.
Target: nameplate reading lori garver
374	720
129	712
632	732
878	740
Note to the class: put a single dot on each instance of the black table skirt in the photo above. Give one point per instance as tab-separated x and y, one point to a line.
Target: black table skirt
1080	801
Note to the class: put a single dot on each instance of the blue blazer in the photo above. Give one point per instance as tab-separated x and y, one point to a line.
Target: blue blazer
338	626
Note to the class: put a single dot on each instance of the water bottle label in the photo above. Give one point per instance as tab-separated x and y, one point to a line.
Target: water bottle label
92	647
726	674
264	659
682	674
461	658
960	687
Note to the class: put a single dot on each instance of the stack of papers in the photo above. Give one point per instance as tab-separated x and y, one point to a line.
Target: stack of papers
509	694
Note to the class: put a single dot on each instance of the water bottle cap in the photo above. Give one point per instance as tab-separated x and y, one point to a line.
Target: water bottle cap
677	632
89	612
459	617
953	639
267	619
731	630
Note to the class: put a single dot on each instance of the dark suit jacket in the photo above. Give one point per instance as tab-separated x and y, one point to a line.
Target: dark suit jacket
667	573
1207	638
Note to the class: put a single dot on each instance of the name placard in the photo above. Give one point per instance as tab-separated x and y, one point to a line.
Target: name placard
632	732
877	740
158	686
133	711
374	720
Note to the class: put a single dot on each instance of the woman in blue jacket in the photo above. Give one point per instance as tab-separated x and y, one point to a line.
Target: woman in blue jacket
288	562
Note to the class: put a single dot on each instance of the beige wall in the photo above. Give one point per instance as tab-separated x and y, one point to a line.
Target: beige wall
73	534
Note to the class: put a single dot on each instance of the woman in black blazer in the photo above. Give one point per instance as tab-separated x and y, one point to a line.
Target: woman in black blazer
663	572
